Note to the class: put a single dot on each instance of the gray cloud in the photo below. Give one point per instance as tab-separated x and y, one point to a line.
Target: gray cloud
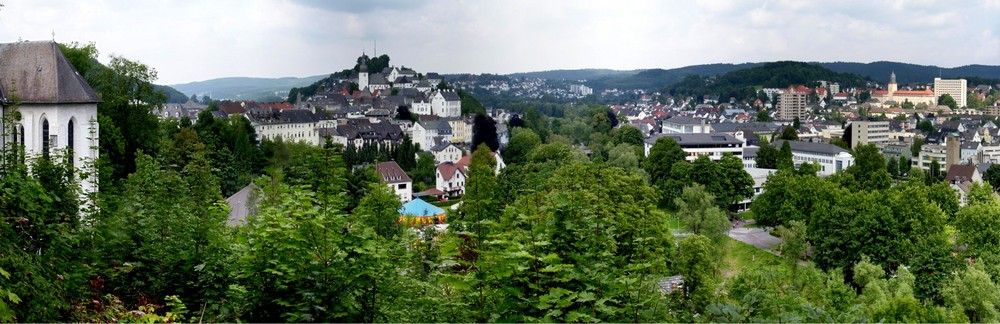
190	41
363	6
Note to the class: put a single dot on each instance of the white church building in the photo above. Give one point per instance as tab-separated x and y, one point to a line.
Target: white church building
58	108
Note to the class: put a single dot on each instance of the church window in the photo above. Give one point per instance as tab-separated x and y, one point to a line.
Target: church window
45	137
69	134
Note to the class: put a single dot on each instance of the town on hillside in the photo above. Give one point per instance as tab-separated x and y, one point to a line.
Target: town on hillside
380	194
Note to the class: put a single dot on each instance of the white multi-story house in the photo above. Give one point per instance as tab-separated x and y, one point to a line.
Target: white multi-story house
58	108
831	158
446	152
296	125
429	132
450	178
393	176
446	103
713	145
422	105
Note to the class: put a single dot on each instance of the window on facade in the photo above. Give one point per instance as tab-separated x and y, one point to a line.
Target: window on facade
402	186
45	137
69	135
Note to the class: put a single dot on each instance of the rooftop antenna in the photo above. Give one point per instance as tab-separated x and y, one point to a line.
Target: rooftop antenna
53	35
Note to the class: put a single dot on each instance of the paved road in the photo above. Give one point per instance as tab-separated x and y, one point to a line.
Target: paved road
758	237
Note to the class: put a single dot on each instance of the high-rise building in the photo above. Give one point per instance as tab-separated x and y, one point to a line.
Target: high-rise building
955	88
792	104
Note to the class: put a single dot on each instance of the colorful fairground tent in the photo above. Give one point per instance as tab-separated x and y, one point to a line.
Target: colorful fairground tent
418	212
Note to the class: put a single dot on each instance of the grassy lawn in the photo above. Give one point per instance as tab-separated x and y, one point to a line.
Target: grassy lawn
673	222
740	255
447	203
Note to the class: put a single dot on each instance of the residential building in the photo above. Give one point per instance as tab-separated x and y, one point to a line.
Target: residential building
865	132
955	88
430	131
450	178
297	125
393	176
58	108
960	177
792	104
930	153
831	158
461	130
713	145
446	152
446	103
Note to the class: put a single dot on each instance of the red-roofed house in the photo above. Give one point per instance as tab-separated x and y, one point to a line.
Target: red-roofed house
450	178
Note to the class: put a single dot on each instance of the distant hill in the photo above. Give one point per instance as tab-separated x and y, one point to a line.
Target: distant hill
243	88
912	73
744	83
173	96
600	79
570	75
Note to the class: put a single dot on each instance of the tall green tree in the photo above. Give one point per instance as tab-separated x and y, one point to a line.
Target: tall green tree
127	99
522	142
869	169
947	100
696	208
784	160
767	155
628	134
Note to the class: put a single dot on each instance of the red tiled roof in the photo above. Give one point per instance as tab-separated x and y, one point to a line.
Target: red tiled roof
925	92
448	170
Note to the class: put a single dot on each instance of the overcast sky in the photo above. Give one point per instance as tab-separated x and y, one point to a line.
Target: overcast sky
198	40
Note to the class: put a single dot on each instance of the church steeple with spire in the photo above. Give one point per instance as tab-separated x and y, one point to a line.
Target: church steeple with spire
892	83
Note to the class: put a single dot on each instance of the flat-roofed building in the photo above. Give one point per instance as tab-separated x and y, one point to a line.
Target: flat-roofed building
831	158
713	145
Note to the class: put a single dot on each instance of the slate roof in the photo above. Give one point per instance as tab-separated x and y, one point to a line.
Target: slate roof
276	116
683	120
239	206
821	148
450	95
390	172
364	128
961	172
39	73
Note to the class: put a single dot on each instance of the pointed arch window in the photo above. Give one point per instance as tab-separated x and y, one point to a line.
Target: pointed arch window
69	135
45	137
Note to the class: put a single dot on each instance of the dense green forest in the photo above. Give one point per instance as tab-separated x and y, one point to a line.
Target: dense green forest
579	227
744	84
